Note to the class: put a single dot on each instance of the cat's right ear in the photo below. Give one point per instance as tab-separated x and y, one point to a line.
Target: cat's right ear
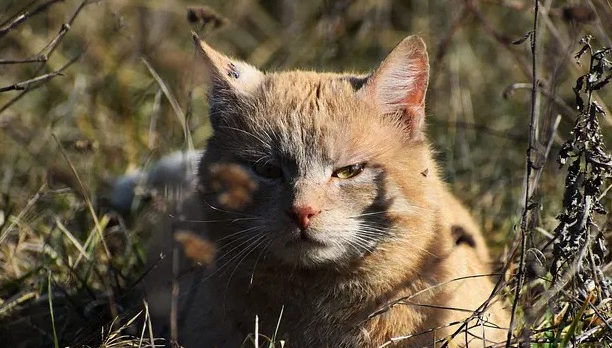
399	84
227	77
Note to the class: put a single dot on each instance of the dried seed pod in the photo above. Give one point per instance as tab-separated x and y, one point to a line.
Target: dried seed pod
204	17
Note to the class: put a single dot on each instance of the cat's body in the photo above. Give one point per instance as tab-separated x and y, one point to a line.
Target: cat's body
325	205
338	308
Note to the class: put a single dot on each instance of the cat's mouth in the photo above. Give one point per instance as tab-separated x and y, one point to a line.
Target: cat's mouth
311	248
305	237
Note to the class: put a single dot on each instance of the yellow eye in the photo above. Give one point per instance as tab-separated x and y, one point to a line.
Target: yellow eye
349	171
267	170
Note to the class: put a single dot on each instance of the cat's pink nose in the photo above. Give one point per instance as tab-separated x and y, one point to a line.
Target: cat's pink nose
303	214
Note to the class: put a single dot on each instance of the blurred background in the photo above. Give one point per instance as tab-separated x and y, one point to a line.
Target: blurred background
110	86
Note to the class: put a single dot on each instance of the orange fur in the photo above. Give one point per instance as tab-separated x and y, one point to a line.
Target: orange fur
413	280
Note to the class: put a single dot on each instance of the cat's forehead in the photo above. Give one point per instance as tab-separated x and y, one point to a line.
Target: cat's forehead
313	116
310	88
314	97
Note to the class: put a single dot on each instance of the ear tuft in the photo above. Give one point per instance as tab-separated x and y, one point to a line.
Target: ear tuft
399	84
226	74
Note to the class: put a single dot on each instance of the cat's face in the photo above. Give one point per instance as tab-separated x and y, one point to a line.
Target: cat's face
317	151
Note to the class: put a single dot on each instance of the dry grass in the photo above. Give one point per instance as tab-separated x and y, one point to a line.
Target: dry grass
121	86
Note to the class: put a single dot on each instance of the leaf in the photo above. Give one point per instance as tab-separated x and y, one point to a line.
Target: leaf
521	40
599	208
587	45
601	83
577	90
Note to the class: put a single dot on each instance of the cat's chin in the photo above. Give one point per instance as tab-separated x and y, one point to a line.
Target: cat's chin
312	254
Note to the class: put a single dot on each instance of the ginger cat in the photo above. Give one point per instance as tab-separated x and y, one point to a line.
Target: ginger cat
330	220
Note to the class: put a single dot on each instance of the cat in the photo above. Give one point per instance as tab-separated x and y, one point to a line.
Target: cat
331	224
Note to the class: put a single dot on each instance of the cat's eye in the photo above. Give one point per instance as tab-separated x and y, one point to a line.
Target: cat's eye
349	171
267	170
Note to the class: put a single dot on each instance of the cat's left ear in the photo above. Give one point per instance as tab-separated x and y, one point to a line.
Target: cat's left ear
399	84
226	75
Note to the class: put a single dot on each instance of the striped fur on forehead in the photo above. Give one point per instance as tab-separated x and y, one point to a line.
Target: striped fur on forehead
323	114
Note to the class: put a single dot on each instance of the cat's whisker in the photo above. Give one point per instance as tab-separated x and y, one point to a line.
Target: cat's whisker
249	242
236	146
392	211
229	252
254	228
376	213
371	243
227	211
356	247
247	251
374	227
360	240
221	250
373	235
240	255
385	231
226	249
379	228
365	240
266	144
360	243
217	220
263	249
373	231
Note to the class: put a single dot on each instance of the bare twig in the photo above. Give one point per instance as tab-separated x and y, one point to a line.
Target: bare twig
568	111
498	36
29	86
553	132
402	300
20	86
35	59
18	12
529	167
25	15
50	48
499	285
44	53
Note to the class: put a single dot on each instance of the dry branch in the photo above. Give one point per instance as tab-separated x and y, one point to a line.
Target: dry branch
16	21
49	49
35	59
20	86
34	83
527	216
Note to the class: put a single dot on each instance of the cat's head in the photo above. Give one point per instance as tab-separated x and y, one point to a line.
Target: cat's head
324	165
